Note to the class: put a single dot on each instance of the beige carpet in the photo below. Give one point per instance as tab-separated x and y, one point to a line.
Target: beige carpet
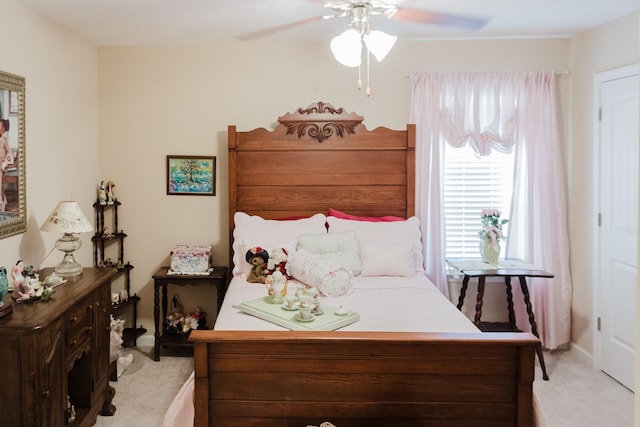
575	396
146	388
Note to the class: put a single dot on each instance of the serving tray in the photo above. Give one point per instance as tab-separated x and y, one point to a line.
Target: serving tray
328	321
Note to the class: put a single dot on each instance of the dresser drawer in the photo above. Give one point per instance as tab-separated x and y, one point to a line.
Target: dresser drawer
79	325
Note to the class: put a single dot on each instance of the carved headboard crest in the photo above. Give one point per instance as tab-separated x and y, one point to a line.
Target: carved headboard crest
320	121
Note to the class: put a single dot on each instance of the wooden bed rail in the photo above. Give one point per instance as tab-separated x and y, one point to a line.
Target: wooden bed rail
286	378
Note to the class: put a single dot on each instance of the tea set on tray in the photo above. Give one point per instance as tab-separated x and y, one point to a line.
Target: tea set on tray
305	301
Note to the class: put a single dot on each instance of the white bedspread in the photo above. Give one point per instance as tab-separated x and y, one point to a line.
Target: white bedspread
392	304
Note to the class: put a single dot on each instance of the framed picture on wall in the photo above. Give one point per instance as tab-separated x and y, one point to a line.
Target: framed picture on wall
13	103
13	183
191	175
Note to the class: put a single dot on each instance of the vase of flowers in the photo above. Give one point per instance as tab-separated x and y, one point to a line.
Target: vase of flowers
490	235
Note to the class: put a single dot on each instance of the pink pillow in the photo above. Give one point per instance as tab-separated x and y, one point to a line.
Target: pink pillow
338	214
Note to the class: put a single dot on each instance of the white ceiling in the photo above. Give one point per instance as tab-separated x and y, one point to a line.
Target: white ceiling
175	22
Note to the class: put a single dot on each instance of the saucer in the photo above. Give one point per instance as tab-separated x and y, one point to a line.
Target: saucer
300	319
318	312
340	311
294	308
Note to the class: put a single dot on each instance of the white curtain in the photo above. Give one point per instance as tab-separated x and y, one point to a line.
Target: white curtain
500	111
425	113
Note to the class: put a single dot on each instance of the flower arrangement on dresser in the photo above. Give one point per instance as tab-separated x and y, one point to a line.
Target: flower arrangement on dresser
491	234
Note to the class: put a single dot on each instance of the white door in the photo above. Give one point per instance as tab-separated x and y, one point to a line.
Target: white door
619	138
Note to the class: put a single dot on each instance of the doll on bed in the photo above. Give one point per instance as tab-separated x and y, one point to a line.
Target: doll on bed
257	257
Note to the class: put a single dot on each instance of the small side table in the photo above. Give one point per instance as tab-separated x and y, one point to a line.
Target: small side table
507	268
217	277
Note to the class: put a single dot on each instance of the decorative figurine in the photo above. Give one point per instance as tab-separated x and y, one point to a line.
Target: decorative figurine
122	360
70	411
111	195
200	317
106	233
16	275
30	280
102	194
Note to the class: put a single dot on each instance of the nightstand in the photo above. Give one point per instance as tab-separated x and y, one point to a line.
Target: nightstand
217	277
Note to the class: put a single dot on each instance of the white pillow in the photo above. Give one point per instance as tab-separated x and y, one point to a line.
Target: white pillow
389	259
330	279
340	248
253	230
383	233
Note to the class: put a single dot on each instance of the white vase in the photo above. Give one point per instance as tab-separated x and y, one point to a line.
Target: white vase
487	252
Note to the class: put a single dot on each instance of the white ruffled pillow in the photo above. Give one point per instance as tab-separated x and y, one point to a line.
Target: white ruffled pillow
375	234
342	249
253	230
330	279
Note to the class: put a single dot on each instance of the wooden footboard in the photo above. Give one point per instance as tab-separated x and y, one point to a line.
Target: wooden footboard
249	378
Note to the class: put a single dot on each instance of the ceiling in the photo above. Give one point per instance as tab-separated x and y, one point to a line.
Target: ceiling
178	22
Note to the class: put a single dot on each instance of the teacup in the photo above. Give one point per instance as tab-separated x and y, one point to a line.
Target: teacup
316	309
300	291
305	311
290	301
313	293
305	299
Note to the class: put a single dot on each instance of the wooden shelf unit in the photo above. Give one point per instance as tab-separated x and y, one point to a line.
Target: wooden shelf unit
101	241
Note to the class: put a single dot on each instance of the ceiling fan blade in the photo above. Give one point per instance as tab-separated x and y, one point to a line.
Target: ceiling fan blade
437	18
266	31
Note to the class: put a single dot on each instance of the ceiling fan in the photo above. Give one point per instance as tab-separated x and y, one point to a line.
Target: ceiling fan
359	13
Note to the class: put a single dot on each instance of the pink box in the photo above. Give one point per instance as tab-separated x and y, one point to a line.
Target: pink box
191	259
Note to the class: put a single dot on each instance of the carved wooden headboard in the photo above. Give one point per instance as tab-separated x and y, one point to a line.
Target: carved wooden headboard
317	158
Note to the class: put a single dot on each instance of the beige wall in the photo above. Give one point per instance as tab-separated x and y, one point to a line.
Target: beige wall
159	101
611	46
61	131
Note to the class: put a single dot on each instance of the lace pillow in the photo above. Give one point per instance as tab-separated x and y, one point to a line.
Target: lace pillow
330	279
342	249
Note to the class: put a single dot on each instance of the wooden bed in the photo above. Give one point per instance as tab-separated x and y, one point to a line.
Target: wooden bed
319	158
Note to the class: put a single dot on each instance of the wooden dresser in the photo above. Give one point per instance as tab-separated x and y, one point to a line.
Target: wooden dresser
56	352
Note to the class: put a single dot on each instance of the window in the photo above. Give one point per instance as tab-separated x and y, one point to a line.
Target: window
471	184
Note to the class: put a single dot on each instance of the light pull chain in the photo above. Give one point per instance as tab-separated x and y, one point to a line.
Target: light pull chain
368	79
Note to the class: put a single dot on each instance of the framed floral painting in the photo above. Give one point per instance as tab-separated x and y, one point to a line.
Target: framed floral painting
191	175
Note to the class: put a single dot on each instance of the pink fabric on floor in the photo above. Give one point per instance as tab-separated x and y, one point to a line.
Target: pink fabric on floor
181	411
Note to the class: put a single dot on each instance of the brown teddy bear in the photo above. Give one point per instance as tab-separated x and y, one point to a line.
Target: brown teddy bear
257	257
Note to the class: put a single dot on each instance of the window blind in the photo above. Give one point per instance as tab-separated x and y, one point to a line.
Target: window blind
471	184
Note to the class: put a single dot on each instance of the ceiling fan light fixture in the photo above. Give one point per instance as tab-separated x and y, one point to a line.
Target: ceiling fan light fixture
379	43
347	48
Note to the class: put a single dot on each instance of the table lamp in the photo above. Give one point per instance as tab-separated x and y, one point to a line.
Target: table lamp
67	218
